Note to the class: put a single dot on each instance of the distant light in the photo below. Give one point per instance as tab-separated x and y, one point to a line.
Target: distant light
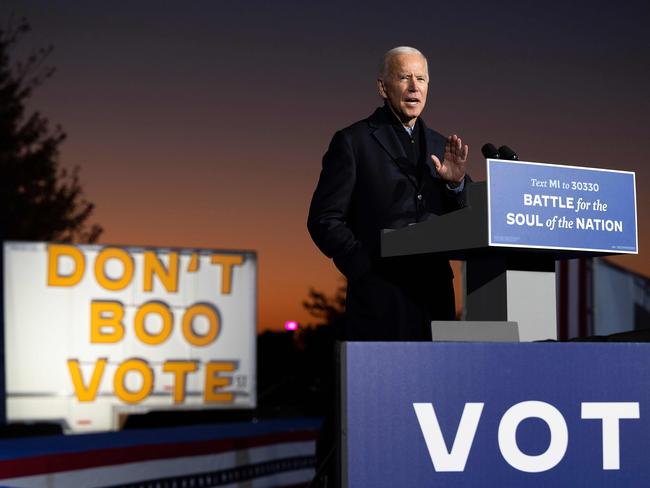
291	325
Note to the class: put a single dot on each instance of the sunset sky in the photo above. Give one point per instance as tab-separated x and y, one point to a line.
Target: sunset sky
202	124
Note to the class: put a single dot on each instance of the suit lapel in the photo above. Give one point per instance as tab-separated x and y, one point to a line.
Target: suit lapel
387	138
385	135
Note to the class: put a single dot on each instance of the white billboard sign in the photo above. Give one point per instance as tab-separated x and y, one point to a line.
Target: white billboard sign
96	332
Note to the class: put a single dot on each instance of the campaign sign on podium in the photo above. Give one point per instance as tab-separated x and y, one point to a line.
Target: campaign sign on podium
480	414
537	205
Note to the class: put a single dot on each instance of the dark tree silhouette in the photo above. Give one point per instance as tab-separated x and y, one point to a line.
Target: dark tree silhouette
39	200
327	309
296	370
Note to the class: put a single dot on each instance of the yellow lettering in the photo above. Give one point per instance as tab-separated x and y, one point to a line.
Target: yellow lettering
128	366
86	394
227	261
213	382
54	252
113	284
179	369
167	276
106	314
167	322
193	265
213	329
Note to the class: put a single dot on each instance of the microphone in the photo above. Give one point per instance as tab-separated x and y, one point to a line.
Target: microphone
507	153
490	152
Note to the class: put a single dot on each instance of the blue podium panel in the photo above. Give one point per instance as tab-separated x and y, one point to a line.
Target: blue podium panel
551	206
476	414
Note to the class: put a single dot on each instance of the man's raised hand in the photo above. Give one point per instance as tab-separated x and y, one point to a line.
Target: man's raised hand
452	168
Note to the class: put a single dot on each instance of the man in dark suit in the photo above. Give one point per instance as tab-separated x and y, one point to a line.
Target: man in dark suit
386	172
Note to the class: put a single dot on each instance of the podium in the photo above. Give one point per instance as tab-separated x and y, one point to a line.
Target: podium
502	284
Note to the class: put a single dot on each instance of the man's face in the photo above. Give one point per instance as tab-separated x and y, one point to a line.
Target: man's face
405	86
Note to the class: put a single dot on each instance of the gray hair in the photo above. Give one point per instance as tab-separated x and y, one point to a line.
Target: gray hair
396	51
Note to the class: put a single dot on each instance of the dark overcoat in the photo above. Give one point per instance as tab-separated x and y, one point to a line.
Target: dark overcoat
368	184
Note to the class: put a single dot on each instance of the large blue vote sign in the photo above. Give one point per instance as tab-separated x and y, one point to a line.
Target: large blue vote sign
480	414
561	207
